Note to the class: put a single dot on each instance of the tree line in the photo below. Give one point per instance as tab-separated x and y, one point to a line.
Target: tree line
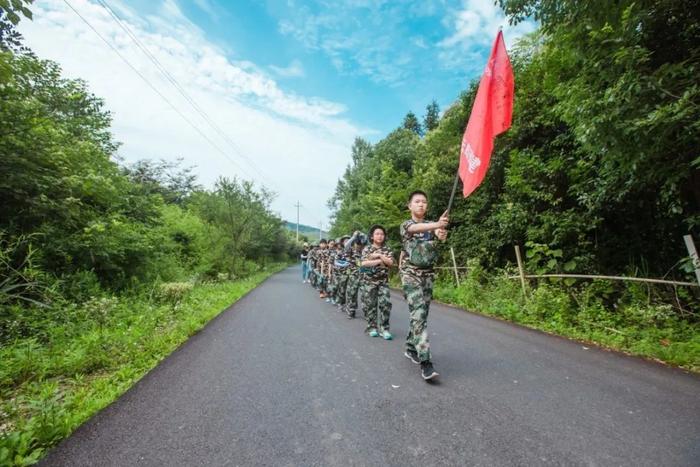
76	221
600	170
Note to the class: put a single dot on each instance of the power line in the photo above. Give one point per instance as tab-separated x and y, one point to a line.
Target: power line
189	122
177	86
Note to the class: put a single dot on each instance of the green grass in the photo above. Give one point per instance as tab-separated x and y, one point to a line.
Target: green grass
50	387
632	324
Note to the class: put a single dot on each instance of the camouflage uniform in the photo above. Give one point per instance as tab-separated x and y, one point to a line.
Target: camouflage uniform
312	266
322	266
374	291
333	277
341	267
417	275
354	254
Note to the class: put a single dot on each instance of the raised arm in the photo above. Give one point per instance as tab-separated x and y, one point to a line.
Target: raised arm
351	241
429	226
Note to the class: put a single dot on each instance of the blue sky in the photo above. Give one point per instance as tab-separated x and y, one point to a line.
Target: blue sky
379	58
291	83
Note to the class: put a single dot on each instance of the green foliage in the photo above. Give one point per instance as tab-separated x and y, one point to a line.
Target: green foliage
20	280
411	123
432	116
125	226
650	330
373	188
49	387
11	12
173	292
168	179
599	174
96	259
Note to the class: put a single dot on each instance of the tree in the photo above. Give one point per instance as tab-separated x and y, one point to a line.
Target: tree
624	76
11	11
600	165
410	122
169	179
432	116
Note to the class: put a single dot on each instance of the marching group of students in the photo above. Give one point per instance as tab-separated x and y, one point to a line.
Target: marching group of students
356	268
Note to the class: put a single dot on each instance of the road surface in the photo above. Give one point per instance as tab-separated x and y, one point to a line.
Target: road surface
281	378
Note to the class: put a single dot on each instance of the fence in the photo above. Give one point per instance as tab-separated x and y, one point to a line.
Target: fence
690	245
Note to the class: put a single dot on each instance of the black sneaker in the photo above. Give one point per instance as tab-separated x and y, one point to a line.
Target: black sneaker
427	371
351	316
412	355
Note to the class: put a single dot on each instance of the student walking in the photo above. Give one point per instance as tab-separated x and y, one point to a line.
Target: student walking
374	285
304	263
419	254
353	248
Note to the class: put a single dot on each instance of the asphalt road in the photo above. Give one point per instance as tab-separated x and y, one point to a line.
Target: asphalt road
281	378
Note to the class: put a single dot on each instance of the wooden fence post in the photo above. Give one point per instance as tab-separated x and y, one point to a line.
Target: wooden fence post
690	245
521	270
454	264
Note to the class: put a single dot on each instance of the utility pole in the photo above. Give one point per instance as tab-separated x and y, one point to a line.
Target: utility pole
297	206
320	226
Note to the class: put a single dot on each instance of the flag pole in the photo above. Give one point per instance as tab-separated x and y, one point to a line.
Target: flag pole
454	190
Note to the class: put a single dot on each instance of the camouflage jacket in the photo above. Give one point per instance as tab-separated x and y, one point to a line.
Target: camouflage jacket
354	257
343	260
311	258
375	274
331	259
419	250
322	264
353	251
320	254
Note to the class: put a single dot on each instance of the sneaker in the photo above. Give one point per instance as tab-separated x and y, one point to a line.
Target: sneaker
412	355
351	316
373	333
328	300
387	336
427	371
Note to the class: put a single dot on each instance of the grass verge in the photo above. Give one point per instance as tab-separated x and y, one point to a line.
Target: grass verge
632	324
48	388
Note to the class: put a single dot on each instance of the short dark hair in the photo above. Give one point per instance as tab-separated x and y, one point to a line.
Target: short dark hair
375	227
416	192
323	240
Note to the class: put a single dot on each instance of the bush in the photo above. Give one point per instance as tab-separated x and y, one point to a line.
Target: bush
597	311
173	292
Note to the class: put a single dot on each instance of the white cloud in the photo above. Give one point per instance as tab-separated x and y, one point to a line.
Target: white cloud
359	37
208	8
477	23
294	70
290	138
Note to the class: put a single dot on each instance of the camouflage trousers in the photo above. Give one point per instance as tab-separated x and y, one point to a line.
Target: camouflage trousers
330	283
351	290
376	304
319	281
341	283
418	291
312	277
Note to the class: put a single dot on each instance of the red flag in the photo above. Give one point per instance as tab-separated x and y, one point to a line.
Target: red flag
491	115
